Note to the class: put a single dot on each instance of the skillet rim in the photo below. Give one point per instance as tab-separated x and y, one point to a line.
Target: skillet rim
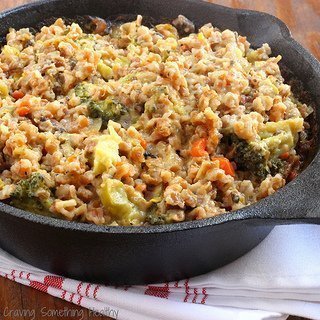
258	210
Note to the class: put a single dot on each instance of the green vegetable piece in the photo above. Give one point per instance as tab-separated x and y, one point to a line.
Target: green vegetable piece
27	188
115	199
153	217
292	126
251	157
276	165
261	157
257	158
106	110
83	91
106	151
281	136
4	91
25	195
34	205
105	70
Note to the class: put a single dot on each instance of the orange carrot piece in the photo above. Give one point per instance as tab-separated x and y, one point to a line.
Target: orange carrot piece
24	108
285	156
143	143
198	148
23	111
225	165
17	94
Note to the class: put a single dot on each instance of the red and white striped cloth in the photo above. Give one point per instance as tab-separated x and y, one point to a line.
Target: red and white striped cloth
279	277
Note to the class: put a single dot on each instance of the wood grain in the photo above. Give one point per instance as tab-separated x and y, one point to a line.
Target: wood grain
302	17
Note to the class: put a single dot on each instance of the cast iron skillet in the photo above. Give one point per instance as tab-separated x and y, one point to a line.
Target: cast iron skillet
136	255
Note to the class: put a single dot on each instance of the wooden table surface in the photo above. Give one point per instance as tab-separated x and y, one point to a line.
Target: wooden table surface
302	17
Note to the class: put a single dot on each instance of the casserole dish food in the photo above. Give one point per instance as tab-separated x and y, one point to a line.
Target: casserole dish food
140	125
166	252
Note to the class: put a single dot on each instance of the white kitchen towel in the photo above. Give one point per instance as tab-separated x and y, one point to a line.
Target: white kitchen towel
281	276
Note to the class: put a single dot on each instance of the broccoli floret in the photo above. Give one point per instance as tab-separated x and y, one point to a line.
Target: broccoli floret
82	90
33	205
28	188
250	157
256	158
107	109
153	217
25	195
261	157
276	165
